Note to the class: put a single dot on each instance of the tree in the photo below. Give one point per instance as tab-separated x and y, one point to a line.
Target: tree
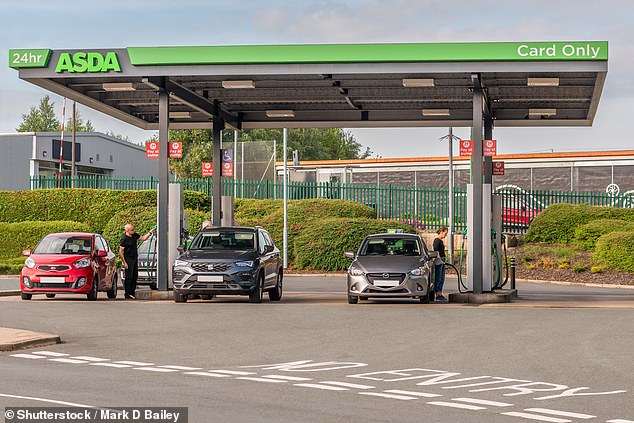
40	118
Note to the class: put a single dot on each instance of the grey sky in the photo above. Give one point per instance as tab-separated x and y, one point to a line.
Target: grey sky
116	23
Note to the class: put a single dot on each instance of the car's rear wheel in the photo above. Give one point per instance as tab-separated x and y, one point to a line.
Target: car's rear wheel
50	295
92	295
276	293
26	296
353	299
206	297
180	298
112	292
257	294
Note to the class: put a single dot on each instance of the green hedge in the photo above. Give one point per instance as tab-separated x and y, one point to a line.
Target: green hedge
95	207
557	223
616	251
586	235
19	236
321	243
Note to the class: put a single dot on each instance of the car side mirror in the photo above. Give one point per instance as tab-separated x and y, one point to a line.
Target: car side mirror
26	253
268	249
180	249
102	253
349	254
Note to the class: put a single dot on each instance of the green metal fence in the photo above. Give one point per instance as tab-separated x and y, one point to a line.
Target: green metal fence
424	208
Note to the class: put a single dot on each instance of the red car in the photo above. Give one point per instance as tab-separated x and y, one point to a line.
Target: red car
69	263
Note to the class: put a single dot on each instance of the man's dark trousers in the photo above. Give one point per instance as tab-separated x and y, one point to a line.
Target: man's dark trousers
131	275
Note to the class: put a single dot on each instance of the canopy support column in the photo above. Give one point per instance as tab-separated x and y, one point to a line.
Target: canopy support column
216	186
163	265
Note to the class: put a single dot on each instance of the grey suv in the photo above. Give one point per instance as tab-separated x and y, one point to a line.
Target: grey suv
229	261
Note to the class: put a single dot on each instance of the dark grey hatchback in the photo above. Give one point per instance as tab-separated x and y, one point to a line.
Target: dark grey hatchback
229	261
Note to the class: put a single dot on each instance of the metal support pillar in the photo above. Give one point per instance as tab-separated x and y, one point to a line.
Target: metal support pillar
475	207
163	265
488	135
450	193
216	186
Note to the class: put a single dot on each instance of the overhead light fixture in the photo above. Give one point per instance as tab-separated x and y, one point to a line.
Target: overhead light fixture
543	82
180	115
280	113
410	83
435	112
118	86
238	84
541	113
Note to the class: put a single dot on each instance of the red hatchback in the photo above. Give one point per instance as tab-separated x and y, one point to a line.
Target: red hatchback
69	263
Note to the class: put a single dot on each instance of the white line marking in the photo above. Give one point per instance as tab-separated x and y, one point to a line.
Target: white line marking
414	393
260	379
536	417
233	372
116	366
88	358
316	386
155	369
67	360
348	385
620	421
454	405
179	367
206	374
391	396
50	353
134	363
31	356
560	413
291	378
483	402
70	404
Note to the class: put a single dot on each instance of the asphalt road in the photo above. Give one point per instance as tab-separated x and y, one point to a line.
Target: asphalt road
377	361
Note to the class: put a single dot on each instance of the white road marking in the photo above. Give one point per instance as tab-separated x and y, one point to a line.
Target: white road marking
620	421
155	369
536	417
116	366
70	404
206	374
68	360
134	363
261	379
391	396
50	353
291	378
455	405
414	393
88	358
233	372
348	385
316	386
560	413
31	356
483	402
169	366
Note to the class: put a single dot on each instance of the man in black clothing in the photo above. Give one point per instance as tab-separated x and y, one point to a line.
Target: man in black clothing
129	254
439	263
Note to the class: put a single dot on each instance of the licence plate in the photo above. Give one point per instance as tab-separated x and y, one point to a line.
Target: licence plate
386	284
208	278
52	280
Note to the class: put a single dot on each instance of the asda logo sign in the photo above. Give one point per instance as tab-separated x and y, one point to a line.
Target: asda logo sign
88	62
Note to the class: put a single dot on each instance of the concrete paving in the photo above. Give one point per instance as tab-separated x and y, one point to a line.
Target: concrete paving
16	339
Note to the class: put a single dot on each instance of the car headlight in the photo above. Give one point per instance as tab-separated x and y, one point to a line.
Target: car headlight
355	271
244	263
181	263
81	263
29	262
418	271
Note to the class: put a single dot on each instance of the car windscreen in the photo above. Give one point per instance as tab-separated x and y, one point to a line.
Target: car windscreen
224	240
148	246
390	246
63	244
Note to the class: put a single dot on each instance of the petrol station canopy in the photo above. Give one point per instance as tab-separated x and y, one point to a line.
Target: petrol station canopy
330	85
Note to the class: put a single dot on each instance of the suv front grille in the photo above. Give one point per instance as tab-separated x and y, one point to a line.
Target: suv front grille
211	267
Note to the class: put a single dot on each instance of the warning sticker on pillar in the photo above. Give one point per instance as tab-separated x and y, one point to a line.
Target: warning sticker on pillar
151	150
498	168
227	162
208	169
466	148
176	150
489	147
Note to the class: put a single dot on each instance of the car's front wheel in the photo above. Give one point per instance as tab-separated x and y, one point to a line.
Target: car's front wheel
112	292
26	296
276	293
257	294
352	299
180	298
92	295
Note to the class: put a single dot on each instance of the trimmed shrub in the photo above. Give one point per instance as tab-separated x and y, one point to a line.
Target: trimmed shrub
586	235
616	251
321	243
19	236
557	223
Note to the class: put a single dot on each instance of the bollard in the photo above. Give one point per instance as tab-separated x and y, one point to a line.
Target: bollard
512	272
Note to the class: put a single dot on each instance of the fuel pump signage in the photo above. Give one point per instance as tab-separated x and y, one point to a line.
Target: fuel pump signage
176	150
466	148
489	147
208	169
151	150
498	168
227	162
